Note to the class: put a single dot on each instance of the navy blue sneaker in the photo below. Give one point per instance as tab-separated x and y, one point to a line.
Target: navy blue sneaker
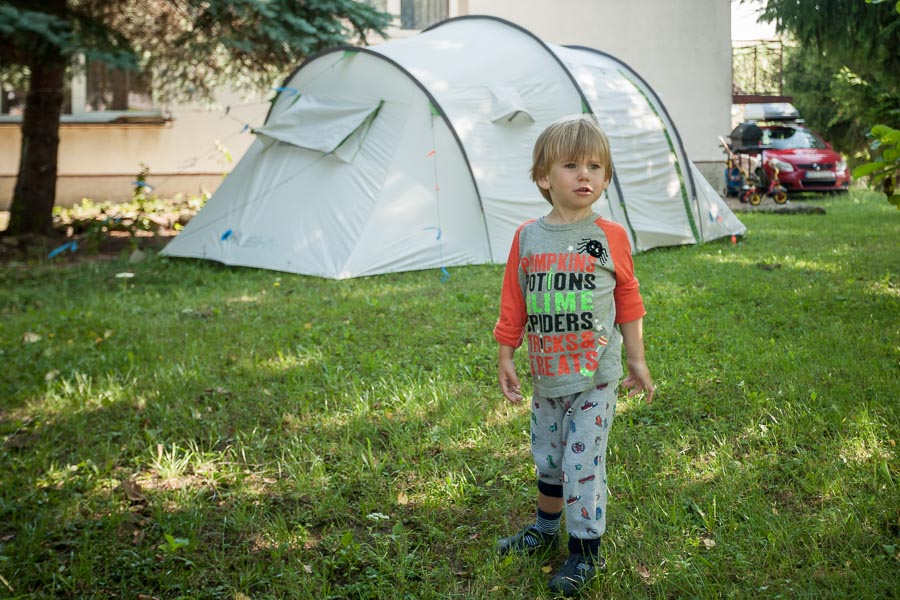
528	541
576	574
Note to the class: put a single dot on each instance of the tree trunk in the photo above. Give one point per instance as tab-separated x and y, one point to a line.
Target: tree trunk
35	191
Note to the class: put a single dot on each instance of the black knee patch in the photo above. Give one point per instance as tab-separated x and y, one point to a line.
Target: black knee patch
548	489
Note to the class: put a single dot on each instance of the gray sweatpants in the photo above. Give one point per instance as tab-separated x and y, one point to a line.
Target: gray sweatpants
568	442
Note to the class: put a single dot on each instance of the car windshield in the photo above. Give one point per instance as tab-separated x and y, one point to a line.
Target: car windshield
789	138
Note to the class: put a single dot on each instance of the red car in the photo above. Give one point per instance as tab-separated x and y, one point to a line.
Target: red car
804	162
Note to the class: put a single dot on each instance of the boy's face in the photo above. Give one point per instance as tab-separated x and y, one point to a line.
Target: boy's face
575	184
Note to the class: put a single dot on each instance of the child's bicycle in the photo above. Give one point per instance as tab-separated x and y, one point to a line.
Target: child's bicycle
744	177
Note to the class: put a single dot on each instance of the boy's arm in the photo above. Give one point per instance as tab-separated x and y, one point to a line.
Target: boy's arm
638	378
506	370
629	310
510	327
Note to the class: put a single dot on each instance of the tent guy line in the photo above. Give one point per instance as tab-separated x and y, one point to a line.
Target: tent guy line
191	161
229	232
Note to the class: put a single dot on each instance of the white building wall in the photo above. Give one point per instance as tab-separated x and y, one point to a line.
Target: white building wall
100	161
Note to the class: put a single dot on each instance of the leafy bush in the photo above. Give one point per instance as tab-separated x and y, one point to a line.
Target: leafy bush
884	169
90	223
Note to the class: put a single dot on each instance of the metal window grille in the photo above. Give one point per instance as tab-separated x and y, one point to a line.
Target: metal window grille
419	14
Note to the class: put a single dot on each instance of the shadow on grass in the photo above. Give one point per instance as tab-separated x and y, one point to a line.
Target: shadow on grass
345	439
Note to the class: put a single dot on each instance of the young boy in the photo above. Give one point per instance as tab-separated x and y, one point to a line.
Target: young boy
569	282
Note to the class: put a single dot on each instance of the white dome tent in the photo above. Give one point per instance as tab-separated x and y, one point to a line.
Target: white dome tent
415	154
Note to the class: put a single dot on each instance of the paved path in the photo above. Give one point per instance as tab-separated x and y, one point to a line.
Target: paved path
768	206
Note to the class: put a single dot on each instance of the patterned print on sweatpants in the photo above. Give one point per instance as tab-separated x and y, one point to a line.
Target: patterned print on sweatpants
568	442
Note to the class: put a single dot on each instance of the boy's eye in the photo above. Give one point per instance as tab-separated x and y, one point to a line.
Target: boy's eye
569	165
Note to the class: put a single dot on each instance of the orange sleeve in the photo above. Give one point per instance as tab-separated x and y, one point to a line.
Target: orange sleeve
510	327
627	295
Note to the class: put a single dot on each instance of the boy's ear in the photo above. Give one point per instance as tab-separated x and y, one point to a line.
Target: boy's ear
543	182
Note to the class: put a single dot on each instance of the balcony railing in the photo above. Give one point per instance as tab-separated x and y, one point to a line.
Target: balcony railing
757	70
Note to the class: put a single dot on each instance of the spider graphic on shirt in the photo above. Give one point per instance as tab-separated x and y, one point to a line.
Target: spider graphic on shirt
594	248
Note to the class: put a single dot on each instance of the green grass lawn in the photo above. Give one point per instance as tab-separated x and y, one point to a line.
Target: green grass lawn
200	431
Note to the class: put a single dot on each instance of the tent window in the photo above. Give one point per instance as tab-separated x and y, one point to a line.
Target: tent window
330	125
350	145
507	106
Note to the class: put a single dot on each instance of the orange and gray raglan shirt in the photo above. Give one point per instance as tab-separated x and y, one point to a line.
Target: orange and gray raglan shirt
565	289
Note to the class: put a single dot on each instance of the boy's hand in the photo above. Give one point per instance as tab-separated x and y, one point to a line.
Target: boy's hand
509	381
639	380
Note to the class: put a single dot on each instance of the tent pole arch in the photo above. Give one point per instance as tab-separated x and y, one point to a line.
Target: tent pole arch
329	189
540	42
435	107
685	168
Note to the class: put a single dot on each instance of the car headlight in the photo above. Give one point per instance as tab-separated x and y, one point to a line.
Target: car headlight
842	165
781	165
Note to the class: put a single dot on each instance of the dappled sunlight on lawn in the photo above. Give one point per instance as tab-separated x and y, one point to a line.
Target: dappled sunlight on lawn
774	262
888	286
244	299
289	361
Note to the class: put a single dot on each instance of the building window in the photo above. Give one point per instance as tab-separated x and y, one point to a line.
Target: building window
416	15
12	93
92	93
420	14
115	89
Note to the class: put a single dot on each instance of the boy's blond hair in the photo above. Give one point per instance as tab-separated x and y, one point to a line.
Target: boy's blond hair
570	138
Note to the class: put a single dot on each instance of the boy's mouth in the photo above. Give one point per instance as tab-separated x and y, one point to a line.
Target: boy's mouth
584	190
